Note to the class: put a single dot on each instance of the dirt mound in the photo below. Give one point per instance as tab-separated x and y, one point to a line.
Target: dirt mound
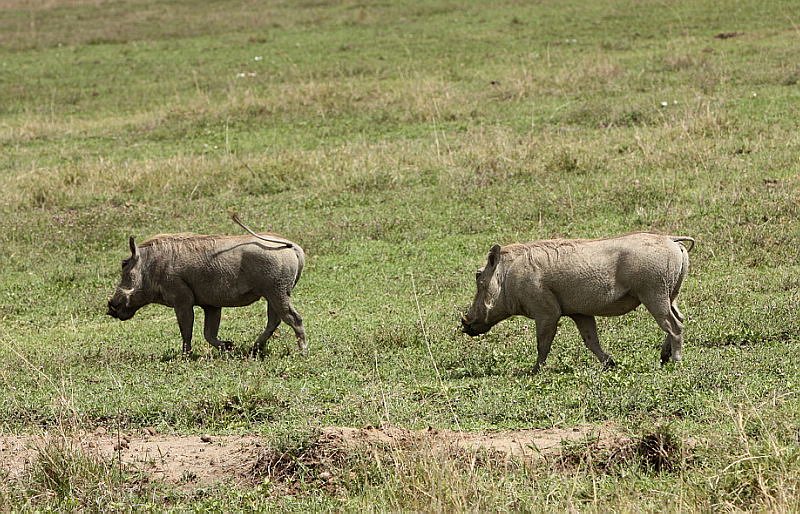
203	460
526	443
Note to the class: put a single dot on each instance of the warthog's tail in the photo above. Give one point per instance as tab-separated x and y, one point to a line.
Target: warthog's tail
681	276
236	219
678	239
301	261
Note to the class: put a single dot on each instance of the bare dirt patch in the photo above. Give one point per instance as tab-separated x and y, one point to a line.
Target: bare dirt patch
199	460
177	459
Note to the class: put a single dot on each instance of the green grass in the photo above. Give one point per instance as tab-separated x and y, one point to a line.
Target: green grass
396	142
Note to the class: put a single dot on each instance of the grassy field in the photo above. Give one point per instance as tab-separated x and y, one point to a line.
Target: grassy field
396	142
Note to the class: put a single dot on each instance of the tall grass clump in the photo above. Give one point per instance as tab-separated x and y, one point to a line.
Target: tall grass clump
63	475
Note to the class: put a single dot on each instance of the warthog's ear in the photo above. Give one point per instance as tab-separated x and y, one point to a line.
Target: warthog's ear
132	244
494	255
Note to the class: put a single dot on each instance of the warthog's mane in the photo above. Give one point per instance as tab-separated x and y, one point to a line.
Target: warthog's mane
548	250
179	243
181	238
188	241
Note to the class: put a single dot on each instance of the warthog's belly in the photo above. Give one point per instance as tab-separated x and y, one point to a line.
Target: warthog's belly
240	301
225	298
617	308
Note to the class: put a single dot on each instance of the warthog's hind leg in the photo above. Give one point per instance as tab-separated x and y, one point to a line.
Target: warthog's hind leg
213	315
662	311
273	320
588	329
292	318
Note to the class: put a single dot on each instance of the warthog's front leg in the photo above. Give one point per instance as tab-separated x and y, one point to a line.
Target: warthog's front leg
185	315
588	329
545	332
213	315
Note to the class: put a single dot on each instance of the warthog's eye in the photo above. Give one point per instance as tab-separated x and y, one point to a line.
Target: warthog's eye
125	263
478	273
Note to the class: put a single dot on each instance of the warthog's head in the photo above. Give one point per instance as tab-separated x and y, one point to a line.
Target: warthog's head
129	296
487	310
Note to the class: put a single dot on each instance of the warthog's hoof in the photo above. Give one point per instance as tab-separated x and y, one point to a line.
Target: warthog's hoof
609	363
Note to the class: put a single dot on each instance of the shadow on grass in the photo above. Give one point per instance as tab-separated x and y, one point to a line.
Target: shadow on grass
237	352
173	354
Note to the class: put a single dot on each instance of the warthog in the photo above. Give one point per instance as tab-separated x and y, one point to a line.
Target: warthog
184	270
581	279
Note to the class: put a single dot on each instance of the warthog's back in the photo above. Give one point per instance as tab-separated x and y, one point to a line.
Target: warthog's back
226	271
604	277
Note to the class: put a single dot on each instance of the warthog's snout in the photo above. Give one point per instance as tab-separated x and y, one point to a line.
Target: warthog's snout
472	329
114	312
464	325
468	330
